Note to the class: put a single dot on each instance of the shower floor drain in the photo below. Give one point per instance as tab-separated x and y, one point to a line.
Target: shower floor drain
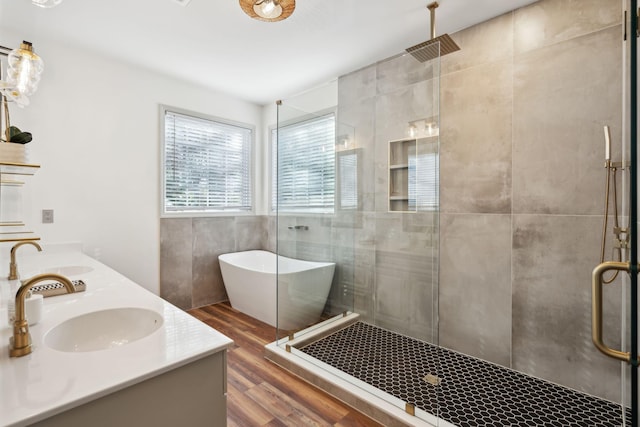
460	389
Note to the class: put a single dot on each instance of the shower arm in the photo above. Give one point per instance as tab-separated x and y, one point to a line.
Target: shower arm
432	11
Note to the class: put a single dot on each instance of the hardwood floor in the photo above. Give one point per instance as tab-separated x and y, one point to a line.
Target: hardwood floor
261	393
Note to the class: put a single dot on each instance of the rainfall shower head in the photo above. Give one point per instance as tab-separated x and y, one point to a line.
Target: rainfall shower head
437	46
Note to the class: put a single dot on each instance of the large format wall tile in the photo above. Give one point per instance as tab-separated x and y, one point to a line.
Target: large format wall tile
563	95
481	44
396	109
549	22
553	257
356	86
403	71
211	237
364	284
475	140
176	256
272	236
250	233
189	268
405	295
475	285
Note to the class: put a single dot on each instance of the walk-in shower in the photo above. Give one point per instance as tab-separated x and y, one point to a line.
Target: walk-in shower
458	199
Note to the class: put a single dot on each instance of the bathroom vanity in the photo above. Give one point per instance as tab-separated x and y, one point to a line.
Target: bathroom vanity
114	354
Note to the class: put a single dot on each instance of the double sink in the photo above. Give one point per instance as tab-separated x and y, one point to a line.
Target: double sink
89	346
102	329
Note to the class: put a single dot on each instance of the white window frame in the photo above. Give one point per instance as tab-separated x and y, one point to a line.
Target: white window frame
213	212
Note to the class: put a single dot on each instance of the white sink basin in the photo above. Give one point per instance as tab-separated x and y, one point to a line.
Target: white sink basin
101	330
69	270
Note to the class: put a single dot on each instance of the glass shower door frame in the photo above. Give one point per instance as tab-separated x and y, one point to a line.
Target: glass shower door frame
633	220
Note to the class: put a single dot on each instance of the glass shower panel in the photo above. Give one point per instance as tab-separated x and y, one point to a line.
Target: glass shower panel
381	232
316	199
633	116
403	217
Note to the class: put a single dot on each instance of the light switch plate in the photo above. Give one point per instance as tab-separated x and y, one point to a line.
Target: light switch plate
47	216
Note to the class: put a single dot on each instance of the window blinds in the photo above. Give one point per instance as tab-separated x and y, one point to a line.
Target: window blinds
348	177
303	166
423	182
207	165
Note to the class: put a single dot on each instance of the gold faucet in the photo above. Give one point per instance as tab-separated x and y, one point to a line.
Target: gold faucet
20	343
13	266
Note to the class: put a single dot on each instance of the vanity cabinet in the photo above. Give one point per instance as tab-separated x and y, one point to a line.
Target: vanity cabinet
193	395
12	226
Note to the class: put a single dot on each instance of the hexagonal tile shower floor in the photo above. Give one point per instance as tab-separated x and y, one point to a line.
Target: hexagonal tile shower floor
460	389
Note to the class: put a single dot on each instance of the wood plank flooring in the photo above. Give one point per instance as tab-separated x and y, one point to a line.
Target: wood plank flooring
261	393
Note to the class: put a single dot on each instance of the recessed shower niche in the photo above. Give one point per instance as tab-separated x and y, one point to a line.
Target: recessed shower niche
412	173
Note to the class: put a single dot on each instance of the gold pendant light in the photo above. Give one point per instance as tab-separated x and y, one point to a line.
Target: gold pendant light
268	10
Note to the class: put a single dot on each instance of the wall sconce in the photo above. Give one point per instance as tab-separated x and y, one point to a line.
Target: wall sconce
268	10
25	69
422	128
343	142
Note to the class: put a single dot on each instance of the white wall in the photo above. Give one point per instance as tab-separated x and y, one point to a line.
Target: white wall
95	123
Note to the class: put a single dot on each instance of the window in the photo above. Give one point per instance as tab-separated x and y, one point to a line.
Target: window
348	183
303	166
423	180
206	165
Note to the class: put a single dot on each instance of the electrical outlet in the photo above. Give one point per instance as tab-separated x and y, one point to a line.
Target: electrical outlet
47	216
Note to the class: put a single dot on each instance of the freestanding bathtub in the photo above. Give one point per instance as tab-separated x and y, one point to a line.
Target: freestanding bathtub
250	279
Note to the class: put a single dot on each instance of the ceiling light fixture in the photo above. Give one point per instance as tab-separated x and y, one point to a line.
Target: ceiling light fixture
268	10
46	3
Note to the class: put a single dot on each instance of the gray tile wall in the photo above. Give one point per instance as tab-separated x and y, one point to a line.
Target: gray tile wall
522	107
327	239
189	248
394	253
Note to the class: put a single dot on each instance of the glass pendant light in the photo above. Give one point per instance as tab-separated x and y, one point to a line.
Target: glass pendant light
25	69
267	9
46	3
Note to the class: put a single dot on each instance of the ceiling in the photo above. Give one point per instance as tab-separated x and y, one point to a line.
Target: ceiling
213	43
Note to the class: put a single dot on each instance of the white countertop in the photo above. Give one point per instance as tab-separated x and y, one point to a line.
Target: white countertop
47	382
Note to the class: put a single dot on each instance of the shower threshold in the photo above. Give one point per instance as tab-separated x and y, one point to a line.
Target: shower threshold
399	380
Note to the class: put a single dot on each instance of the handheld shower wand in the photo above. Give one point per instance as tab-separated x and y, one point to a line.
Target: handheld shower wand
612	169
